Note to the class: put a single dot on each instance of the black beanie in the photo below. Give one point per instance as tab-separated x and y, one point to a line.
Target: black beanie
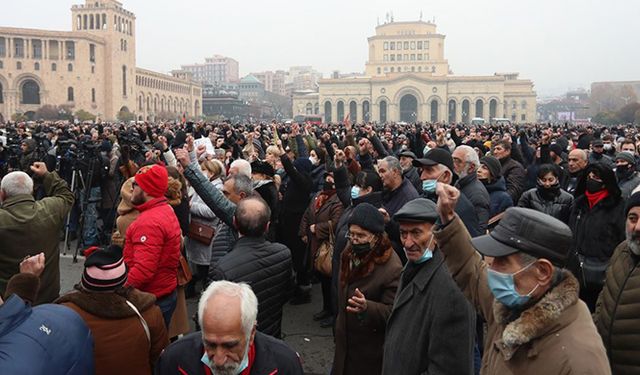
493	165
104	269
368	217
633	201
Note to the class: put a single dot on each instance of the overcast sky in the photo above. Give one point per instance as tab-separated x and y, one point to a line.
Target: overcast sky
559	44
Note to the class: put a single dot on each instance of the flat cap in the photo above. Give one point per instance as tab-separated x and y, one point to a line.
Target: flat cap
408	154
597	142
528	231
419	210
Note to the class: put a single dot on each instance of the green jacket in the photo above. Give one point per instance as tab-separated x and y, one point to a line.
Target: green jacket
28	227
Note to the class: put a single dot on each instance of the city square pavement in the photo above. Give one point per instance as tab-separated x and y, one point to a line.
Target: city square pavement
314	344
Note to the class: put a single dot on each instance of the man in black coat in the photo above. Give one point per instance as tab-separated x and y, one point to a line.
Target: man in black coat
466	164
229	341
512	171
437	166
264	265
410	172
431	326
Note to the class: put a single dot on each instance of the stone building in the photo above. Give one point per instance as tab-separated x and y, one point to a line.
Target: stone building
407	78
216	69
91	68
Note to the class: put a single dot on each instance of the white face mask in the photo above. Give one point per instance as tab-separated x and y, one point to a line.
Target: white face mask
314	160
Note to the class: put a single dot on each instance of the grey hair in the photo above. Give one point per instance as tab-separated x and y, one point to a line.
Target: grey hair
526	259
471	156
244	167
393	163
242	184
16	183
248	302
582	153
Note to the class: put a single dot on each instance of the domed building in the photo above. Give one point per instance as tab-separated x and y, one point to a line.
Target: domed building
407	78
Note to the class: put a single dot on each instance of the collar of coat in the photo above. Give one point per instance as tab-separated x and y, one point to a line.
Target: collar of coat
109	305
16	199
538	319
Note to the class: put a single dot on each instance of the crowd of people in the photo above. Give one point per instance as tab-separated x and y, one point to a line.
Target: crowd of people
439	248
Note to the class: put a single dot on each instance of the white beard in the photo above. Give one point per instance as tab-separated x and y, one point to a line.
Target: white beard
634	243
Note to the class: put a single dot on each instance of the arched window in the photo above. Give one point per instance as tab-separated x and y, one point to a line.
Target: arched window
1	97
93	95
434	110
452	111
366	111
91	23
340	108
309	109
70	94
30	92
124	80
383	111
141	103
70	68
493	108
316	108
85	22
353	111
479	108
79	22
465	111
327	112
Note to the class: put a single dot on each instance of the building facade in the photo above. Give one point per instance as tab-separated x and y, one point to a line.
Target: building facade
91	68
216	69
273	81
407	78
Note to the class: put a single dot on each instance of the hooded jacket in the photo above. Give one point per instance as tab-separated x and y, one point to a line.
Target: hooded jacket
500	199
121	344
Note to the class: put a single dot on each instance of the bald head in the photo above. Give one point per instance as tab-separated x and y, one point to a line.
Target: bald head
252	217
578	160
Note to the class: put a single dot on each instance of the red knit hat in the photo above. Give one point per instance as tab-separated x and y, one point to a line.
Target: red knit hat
153	180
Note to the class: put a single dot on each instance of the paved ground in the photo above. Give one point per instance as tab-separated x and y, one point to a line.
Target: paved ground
314	344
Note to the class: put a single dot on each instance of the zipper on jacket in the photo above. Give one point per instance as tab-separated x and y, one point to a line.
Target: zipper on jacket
615	308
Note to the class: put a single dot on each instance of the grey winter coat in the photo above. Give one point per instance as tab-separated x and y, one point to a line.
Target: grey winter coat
475	191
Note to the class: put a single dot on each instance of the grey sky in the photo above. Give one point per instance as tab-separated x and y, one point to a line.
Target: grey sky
559	44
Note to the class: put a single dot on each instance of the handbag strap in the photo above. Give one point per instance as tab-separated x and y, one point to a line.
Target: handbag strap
332	238
144	322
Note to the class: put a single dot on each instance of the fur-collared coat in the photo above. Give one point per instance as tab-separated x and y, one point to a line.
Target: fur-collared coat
359	338
121	345
556	335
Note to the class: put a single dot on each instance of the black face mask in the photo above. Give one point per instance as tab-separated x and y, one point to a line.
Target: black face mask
623	172
361	248
594	186
328	186
549	192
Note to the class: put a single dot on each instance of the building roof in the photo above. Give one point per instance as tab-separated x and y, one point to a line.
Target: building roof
250	79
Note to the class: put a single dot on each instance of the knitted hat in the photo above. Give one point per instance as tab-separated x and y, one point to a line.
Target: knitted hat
153	180
368	217
633	201
106	146
626	156
104	269
493	165
259	166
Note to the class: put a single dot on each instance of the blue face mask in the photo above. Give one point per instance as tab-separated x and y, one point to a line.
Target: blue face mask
429	186
355	192
427	254
503	287
243	365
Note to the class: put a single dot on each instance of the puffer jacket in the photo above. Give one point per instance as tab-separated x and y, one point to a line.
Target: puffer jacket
617	315
500	199
47	339
559	207
266	267
477	194
628	184
152	249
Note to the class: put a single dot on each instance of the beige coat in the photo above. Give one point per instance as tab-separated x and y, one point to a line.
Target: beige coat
554	336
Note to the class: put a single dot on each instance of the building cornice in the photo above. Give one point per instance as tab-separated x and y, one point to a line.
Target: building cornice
167	77
49	34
